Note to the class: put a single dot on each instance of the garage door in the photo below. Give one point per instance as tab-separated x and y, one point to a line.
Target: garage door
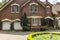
6	26
58	22
17	26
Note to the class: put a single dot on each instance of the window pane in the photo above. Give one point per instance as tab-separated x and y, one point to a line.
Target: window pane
36	8
17	9
12	9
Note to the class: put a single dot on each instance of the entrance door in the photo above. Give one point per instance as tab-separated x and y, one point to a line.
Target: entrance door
6	26
17	26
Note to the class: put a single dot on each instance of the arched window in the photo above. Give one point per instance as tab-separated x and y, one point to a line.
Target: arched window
15	8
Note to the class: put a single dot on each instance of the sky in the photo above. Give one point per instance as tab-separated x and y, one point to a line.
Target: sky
51	1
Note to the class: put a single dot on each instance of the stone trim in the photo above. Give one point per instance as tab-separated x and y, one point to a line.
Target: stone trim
33	3
49	17
6	20
15	4
35	17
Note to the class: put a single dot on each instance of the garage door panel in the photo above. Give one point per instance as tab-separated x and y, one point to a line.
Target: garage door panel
17	26
6	26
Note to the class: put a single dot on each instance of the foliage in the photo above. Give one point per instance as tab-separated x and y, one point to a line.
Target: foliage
43	22
0	5
26	28
0	25
12	26
24	20
58	27
43	28
54	17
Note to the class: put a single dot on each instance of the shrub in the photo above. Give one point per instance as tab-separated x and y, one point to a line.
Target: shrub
58	27
26	28
12	26
43	28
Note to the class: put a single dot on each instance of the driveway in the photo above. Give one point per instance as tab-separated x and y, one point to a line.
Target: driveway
17	35
11	35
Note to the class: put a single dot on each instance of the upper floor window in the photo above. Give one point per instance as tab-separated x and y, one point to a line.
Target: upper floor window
34	9
15	8
48	9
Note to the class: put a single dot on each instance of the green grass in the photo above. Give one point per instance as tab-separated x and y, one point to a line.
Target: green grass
47	37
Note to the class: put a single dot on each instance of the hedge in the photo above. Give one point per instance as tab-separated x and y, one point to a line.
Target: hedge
31	36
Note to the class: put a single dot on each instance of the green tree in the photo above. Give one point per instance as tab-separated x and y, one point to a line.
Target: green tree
24	20
54	17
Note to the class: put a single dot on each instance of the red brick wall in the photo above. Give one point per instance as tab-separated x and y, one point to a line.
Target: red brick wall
6	12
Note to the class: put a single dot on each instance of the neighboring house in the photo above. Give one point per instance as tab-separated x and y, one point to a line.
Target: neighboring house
35	10
56	11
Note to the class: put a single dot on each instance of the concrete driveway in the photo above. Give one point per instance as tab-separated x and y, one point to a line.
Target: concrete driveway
11	35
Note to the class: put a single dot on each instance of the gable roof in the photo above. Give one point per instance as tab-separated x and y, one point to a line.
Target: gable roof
38	2
22	3
30	0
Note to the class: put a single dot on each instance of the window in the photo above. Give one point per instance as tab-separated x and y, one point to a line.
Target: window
48	9
15	9
29	20
34	9
34	21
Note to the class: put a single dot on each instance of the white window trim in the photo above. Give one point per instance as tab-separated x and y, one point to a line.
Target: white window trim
33	11
15	5
34	21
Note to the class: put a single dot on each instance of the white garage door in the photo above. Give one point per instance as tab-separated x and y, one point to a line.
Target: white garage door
17	26
58	22
6	26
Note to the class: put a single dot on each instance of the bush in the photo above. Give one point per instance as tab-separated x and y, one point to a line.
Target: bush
12	26
26	28
43	21
43	28
58	27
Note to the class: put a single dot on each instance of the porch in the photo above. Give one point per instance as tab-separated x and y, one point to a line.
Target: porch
36	22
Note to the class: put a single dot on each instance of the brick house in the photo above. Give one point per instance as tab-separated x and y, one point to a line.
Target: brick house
35	10
56	11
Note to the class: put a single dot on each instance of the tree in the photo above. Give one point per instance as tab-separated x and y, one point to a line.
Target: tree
24	20
54	17
4	1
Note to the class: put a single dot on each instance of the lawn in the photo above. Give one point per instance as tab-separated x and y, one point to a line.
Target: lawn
44	36
47	37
